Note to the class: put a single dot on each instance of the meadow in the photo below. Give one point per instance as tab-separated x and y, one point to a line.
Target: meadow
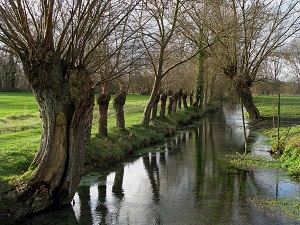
289	131
20	128
20	125
289	105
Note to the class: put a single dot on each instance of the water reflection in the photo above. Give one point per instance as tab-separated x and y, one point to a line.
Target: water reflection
184	184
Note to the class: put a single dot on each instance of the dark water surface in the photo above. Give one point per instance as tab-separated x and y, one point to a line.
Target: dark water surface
186	183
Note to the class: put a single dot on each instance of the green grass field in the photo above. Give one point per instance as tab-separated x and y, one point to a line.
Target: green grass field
20	128
289	105
20	125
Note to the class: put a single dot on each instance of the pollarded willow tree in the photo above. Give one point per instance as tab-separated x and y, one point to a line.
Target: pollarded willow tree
57	42
120	55
257	29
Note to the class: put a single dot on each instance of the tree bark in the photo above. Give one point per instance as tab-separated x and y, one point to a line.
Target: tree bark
174	107
119	102
244	93
184	97
191	99
170	106
179	98
154	108
148	108
163	100
103	102
65	103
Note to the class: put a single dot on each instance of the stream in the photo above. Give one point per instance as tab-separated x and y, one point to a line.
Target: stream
186	182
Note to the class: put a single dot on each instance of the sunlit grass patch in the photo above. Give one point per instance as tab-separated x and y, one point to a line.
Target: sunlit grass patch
17	103
17	151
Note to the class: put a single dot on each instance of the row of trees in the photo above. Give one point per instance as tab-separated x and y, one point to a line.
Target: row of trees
11	75
70	48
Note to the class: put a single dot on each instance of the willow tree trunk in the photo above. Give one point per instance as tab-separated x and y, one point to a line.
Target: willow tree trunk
179	99
119	102
174	107
163	104
170	106
191	95
103	102
244	93
154	108
184	97
148	108
65	103
199	83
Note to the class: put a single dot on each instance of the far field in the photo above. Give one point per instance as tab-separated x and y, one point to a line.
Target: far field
289	105
20	125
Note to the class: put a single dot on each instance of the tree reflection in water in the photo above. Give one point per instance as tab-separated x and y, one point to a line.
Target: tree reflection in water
187	183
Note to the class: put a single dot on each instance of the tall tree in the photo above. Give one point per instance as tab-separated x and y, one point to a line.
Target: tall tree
200	25
257	28
159	23
272	68
293	59
57	45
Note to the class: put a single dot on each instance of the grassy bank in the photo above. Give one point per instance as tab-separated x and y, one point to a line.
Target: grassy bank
289	135
289	132
20	131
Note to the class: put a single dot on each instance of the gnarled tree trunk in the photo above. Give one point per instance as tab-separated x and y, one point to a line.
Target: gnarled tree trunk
191	95
174	107
170	106
154	108
244	93
163	100
148	108
66	103
119	102
179	99
103	102
184	97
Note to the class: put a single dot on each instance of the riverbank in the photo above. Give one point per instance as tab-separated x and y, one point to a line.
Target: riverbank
287	145
105	151
288	158
21	128
288	161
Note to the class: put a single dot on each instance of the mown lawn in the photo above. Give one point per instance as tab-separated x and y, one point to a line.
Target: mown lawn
20	128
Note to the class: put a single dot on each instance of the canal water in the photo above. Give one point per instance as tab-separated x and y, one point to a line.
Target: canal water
186	182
